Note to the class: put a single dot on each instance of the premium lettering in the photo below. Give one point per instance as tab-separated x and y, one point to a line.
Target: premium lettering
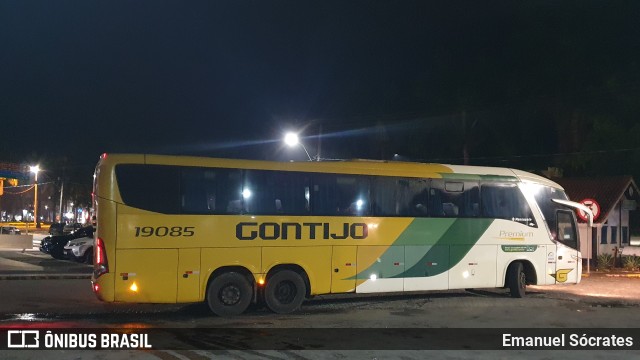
298	231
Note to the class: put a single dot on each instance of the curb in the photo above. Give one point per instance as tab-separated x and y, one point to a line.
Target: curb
617	275
45	277
623	275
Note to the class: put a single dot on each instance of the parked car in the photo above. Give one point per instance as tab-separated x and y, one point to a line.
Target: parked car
9	230
54	245
71	228
56	229
80	249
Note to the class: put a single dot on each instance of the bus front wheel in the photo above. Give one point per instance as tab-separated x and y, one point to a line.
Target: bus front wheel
516	280
229	294
284	292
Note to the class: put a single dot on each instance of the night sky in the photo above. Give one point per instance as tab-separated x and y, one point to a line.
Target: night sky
528	84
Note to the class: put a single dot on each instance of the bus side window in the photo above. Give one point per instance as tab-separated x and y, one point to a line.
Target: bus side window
210	191
292	192
505	201
194	196
396	196
161	195
385	197
323	195
353	195
258	192
454	198
450	209
195	191
234	207
435	203
270	192
419	204
341	195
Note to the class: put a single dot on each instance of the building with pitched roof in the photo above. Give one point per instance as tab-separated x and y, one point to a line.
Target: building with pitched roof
616	201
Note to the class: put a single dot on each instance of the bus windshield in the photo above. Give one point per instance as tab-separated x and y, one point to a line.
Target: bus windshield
543	196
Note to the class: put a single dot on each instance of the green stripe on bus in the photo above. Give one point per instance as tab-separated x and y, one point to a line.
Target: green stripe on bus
454	244
425	231
430	246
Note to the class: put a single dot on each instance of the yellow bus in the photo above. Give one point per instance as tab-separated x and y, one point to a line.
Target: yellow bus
177	229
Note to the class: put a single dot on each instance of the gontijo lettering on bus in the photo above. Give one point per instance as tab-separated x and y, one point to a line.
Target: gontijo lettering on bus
298	231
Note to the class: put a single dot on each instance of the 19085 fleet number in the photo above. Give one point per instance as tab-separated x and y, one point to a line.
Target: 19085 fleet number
162	231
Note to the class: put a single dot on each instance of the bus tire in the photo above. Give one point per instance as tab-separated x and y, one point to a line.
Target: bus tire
285	291
516	280
229	294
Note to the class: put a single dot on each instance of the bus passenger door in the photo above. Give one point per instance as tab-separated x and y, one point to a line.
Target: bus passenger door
343	269
188	275
569	260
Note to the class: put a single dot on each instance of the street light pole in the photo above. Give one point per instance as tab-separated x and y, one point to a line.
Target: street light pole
61	218
35	170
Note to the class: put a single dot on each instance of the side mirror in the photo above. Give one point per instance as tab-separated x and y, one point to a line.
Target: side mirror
566	229
575	205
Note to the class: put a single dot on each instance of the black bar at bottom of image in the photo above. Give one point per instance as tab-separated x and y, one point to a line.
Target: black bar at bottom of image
320	338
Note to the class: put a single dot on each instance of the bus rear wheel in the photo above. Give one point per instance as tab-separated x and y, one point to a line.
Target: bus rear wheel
285	291
516	280
229	294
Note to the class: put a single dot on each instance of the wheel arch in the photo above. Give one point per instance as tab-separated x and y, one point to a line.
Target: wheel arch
529	269
225	269
292	267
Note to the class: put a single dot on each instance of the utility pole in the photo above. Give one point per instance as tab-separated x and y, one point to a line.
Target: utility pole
35	204
61	192
35	170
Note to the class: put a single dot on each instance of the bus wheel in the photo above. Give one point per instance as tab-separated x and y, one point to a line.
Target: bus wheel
284	292
229	294
516	280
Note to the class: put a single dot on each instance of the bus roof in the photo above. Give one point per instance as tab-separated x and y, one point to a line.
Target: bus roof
358	166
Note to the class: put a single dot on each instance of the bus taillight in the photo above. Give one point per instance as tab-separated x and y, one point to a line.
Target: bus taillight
100	263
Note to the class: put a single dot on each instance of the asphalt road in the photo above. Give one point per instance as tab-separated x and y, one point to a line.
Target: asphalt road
599	301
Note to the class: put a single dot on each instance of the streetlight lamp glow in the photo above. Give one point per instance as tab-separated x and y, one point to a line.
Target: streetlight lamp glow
35	170
291	139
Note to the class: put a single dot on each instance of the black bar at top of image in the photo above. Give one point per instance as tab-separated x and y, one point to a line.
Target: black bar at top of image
362	338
